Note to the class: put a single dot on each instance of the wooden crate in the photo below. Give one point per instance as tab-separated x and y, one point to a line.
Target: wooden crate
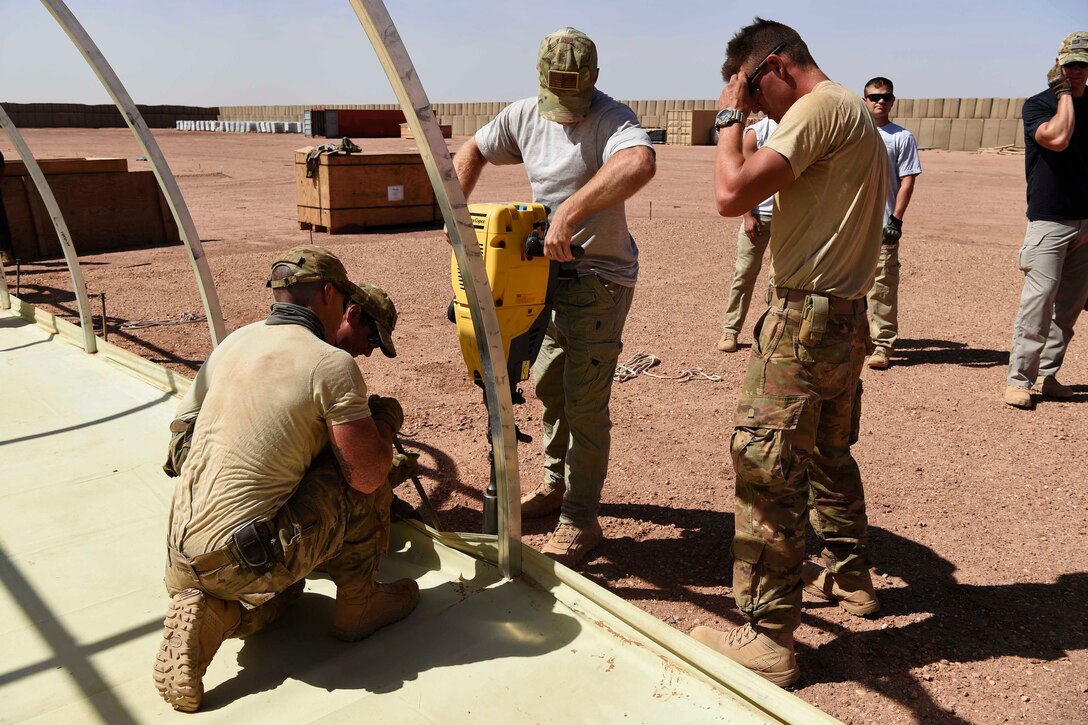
354	192
15	167
105	206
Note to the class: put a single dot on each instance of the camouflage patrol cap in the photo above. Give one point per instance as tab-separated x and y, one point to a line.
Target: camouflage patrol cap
567	65
1074	49
310	263
376	303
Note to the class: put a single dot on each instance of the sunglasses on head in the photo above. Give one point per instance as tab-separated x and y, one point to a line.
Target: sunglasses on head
754	75
877	97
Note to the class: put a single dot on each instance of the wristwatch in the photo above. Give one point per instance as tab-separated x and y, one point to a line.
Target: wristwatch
727	117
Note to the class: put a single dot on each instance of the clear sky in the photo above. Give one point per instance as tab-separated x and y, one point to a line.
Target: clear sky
242	52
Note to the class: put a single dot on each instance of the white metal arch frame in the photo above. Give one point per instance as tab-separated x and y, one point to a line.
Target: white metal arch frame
150	146
90	344
451	198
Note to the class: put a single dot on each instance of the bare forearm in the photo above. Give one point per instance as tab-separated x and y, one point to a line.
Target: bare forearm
729	160
364	451
902	199
467	164
618	180
1056	133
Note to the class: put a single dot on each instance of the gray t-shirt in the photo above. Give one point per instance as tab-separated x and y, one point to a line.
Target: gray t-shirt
560	159
902	160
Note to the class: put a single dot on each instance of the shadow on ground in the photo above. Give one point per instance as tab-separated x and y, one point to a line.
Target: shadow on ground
946	352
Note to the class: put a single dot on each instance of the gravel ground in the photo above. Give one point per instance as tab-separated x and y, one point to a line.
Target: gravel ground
978	511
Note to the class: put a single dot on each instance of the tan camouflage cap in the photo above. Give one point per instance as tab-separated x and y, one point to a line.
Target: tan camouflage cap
567	64
311	263
1074	49
376	303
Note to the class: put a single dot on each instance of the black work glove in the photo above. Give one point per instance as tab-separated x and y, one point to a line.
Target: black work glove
893	230
1057	82
386	410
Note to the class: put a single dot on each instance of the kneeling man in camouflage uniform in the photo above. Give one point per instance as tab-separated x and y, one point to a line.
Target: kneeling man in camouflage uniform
285	465
800	404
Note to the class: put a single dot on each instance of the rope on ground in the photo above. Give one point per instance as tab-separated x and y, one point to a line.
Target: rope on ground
184	319
641	363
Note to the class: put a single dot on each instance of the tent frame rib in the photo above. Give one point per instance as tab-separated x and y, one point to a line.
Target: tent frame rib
165	177
419	113
83	306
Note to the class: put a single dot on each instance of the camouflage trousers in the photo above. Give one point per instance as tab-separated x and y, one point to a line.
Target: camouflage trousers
883	298
325	522
798	416
573	378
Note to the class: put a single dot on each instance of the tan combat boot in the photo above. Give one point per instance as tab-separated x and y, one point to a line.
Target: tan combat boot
768	654
1051	388
1018	397
853	592
196	624
569	544
879	360
545	499
727	343
362	611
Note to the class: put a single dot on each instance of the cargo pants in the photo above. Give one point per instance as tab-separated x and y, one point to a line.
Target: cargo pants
573	376
749	262
1054	260
798	415
883	299
324	522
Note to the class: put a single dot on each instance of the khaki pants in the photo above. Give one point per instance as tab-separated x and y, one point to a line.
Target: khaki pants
749	262
883	299
325	521
798	416
1054	260
573	376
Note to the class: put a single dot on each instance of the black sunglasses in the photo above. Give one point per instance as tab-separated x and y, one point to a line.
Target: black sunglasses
374	339
877	97
752	87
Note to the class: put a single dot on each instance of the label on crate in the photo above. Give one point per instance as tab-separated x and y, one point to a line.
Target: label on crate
395	193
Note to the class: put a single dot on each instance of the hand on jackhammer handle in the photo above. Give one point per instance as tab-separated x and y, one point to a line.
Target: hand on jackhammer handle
557	240
386	410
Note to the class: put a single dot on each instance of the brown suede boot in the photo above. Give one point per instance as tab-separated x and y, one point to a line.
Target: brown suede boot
853	592
570	544
196	624
545	499
361	611
768	654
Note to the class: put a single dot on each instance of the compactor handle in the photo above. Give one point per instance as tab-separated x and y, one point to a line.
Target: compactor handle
534	247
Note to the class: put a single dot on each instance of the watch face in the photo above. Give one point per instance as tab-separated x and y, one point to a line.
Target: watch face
727	117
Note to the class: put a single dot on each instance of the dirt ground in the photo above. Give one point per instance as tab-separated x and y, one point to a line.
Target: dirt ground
978	512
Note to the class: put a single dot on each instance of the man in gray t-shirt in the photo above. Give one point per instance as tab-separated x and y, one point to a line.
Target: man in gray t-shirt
904	167
585	154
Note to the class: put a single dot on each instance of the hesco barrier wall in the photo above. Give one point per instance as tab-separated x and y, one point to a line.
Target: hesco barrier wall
958	124
81	115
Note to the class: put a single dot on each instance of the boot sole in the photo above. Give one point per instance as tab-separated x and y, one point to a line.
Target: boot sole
354	635
175	673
